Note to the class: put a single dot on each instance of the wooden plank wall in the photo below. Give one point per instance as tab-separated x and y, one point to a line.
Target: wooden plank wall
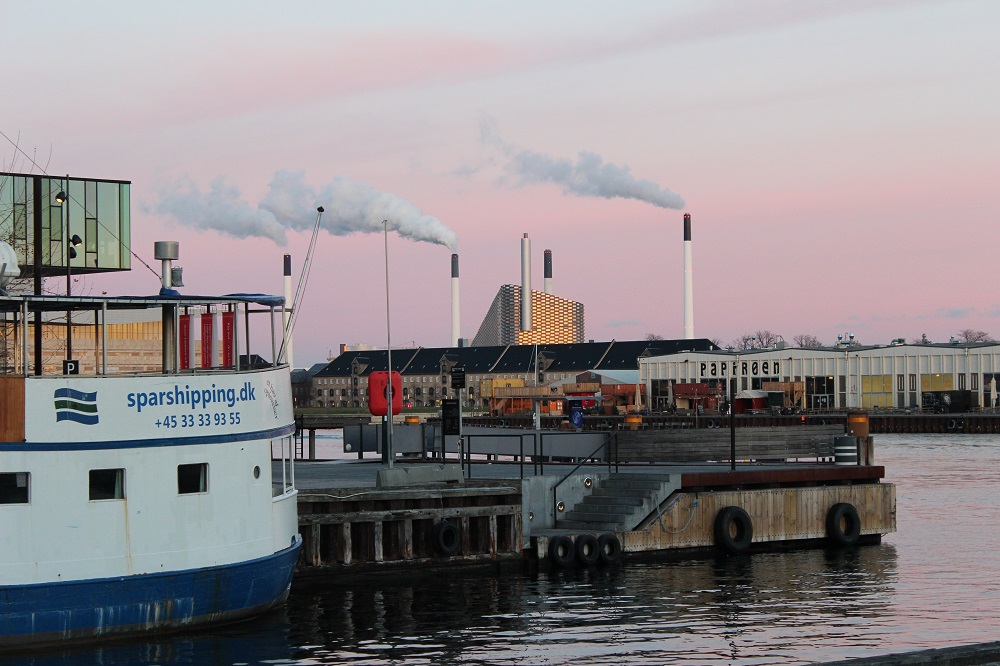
778	514
714	443
394	527
11	408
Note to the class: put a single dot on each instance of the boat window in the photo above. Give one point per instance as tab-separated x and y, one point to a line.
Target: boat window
192	478
14	487
107	484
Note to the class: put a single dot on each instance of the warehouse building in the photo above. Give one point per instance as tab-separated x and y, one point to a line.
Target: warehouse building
898	376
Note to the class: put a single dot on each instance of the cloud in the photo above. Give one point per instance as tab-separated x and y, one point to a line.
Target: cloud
589	176
290	205
955	313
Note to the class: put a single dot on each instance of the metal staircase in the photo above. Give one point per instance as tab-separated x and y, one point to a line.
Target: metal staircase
620	502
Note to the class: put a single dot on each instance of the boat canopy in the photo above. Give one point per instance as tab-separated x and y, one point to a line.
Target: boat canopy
229	347
56	303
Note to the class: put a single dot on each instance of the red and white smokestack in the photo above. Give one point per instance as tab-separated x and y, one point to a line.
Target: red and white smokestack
286	310
688	282
454	301
525	283
548	271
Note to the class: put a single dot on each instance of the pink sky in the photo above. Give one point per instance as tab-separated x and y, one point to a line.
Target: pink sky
839	159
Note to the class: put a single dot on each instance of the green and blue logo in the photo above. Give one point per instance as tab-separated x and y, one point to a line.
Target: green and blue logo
79	406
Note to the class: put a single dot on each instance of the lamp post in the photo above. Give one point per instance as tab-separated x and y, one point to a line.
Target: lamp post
387	453
71	243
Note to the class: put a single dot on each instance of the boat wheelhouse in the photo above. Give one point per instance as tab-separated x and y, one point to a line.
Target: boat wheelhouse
141	501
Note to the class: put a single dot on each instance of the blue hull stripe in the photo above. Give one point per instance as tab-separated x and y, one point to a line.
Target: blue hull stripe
33	614
147	443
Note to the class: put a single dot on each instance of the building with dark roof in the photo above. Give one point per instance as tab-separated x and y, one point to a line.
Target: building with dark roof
426	372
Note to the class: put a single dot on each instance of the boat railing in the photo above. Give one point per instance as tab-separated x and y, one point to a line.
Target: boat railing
136	335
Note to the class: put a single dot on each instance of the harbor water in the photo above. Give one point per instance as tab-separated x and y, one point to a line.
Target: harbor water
934	583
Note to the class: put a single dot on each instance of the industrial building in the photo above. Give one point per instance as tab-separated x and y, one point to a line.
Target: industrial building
517	369
554	320
929	377
520	315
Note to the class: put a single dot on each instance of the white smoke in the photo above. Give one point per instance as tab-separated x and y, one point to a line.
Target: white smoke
290	204
590	176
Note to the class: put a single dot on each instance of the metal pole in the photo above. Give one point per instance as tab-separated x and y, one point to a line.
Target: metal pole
67	244
732	418
36	184
388	349
461	394
104	337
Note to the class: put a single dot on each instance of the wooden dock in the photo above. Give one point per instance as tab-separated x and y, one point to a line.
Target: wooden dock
347	524
362	528
769	443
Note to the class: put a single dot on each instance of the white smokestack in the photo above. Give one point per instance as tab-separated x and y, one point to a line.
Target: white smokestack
548	271
286	311
454	301
525	283
688	282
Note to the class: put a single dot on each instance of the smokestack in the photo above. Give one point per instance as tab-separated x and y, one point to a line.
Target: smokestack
688	282
286	311
454	300
548	271
525	283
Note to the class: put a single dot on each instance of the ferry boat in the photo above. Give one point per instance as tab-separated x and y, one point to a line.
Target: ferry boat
135	502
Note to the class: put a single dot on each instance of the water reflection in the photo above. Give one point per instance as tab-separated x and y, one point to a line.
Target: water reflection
759	608
258	641
935	582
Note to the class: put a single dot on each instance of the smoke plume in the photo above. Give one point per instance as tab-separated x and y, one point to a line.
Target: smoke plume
589	176
290	204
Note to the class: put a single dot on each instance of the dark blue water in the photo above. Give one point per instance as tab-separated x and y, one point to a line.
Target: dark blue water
934	583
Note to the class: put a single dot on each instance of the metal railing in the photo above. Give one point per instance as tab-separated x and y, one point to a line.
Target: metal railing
537	453
611	443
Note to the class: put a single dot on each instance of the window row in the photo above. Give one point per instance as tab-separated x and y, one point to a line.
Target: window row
104	484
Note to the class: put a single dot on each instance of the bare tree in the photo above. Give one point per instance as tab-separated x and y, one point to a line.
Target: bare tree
969	335
766	338
653	336
806	340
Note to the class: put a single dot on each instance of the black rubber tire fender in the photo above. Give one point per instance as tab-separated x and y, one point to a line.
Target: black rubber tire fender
733	529
609	548
561	550
843	525
444	536
587	552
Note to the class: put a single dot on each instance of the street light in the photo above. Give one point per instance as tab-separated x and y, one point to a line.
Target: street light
72	242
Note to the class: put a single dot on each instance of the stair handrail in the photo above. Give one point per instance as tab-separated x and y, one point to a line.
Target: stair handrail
612	459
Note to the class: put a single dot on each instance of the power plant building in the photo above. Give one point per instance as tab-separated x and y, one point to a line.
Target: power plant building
554	320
